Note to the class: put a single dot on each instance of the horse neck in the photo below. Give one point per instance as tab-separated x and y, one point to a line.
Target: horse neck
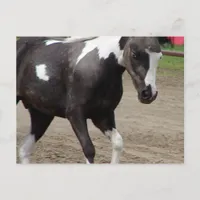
111	44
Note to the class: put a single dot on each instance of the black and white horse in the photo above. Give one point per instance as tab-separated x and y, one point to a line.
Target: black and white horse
81	79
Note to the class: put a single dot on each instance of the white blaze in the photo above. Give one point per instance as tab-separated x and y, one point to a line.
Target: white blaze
150	78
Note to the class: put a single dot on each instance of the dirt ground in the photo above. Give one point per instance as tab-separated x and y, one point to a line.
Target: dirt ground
152	133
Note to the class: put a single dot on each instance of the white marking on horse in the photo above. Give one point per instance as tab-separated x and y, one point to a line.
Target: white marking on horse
150	78
117	144
66	40
41	72
26	149
76	39
49	42
87	162
105	45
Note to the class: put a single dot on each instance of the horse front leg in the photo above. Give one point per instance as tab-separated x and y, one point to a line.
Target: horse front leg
79	125
106	123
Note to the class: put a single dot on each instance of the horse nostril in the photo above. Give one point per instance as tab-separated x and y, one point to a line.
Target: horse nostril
146	94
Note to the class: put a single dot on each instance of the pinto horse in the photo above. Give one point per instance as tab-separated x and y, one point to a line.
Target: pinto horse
80	79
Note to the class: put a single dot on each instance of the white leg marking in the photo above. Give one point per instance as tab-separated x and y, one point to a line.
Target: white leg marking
41	72
150	78
26	149
117	144
105	45
87	162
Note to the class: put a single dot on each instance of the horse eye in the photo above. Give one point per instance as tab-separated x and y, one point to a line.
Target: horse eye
133	54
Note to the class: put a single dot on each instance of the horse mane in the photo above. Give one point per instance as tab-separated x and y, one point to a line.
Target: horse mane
69	40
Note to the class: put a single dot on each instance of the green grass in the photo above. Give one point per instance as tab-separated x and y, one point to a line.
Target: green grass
171	64
176	48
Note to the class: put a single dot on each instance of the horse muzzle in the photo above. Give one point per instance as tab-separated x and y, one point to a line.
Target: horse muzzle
146	96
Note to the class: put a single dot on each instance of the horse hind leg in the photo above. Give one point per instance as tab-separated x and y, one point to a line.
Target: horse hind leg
39	124
107	125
